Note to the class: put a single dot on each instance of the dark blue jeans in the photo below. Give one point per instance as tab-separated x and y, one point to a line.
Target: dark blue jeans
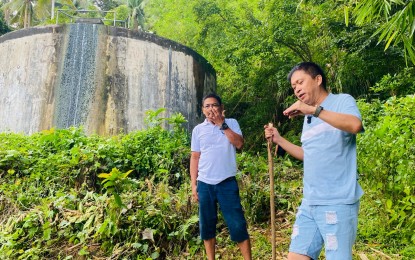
226	195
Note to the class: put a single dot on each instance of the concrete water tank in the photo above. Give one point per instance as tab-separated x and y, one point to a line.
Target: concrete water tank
103	78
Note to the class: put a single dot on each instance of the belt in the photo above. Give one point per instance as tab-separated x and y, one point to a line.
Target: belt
228	179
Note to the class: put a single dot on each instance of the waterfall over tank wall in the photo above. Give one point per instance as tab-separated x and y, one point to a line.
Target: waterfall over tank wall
103	78
77	84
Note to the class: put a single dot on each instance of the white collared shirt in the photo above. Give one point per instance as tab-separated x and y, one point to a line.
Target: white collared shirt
217	155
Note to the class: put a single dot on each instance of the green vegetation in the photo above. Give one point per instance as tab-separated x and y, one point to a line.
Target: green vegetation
387	163
65	195
54	205
3	26
253	45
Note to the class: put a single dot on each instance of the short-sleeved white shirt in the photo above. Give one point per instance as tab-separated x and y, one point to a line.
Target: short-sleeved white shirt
217	155
330	163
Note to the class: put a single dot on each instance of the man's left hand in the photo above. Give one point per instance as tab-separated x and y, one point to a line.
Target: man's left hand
216	117
299	108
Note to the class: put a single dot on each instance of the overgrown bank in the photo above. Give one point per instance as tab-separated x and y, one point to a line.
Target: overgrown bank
56	203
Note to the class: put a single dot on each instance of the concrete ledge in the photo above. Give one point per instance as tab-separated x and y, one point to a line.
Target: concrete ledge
89	20
31	31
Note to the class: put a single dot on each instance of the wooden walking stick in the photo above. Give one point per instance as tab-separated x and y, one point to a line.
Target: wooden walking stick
271	193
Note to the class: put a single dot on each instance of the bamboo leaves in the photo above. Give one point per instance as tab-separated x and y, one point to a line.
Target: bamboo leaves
396	19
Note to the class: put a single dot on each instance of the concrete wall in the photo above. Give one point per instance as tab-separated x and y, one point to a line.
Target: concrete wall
103	78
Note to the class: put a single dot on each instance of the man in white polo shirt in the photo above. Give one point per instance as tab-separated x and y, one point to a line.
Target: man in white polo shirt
212	172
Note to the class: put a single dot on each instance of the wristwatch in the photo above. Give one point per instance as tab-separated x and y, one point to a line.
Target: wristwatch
224	126
318	111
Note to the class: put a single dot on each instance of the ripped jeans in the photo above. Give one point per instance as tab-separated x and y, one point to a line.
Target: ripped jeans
334	226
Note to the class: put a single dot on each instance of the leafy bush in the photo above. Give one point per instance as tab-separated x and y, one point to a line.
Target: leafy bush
54	206
121	13
386	154
68	195
255	186
59	208
4	28
400	84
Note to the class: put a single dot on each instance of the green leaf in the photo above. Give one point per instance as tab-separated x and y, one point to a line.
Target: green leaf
109	183
104	175
388	204
103	226
125	175
346	15
83	251
155	255
118	200
47	230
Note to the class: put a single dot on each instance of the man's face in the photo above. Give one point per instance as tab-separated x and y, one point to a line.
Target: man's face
210	105
305	87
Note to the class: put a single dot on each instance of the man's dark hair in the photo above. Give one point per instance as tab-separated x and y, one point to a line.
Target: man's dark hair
212	95
311	69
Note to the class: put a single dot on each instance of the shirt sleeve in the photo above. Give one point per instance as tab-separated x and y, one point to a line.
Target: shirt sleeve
234	125
350	106
195	143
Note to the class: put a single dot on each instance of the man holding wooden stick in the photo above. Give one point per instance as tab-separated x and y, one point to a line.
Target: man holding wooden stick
328	213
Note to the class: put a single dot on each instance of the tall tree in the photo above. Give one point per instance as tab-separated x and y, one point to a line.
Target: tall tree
4	28
137	17
20	12
252	44
25	13
106	5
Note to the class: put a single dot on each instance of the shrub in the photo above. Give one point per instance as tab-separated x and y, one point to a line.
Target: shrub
386	153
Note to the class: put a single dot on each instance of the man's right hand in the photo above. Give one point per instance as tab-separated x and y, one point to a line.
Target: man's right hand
271	133
195	197
194	164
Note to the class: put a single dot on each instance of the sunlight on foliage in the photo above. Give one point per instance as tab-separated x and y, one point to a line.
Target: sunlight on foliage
113	182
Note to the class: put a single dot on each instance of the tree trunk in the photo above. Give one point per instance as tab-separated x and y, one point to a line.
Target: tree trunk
7	16
52	11
26	14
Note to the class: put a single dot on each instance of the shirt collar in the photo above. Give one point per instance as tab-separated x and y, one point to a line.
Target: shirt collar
206	122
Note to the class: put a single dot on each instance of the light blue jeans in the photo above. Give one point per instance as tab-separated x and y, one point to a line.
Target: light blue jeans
334	226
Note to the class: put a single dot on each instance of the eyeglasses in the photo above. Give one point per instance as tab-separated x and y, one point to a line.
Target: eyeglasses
211	105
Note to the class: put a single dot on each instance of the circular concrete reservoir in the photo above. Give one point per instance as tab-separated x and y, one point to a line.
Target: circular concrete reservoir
99	77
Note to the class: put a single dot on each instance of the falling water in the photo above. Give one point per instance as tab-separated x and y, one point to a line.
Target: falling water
78	74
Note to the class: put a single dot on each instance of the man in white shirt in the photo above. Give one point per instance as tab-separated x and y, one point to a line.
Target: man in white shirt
212	172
